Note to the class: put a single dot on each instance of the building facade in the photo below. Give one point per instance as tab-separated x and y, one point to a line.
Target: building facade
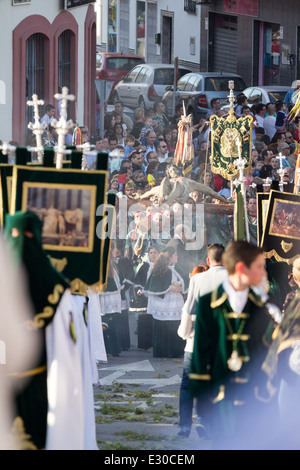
258	39
46	46
158	30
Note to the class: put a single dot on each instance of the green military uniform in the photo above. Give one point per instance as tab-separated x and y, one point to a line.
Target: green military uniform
228	390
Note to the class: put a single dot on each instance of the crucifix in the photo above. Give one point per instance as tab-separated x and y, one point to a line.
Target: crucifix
240	163
231	97
62	126
37	127
280	171
8	150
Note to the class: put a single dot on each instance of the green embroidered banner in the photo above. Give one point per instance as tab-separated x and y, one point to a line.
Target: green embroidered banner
231	137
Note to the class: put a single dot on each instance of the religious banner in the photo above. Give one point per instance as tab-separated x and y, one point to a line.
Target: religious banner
69	202
281	234
231	138
262	204
5	190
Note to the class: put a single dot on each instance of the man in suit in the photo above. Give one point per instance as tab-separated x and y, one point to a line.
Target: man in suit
200	284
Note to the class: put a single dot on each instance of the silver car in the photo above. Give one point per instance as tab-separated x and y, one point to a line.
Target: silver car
197	89
265	94
146	84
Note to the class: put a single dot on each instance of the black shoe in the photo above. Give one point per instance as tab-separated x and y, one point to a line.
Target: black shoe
184	432
201	431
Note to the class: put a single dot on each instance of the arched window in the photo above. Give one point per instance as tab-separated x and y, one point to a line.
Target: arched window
64	59
35	71
64	62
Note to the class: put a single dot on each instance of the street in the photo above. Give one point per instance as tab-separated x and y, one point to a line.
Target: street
137	403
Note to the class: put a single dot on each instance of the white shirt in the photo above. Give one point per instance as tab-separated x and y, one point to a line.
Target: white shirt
47	119
269	126
236	298
259	119
164	158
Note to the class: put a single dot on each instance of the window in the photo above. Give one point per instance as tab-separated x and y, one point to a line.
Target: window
64	59
140	33
190	7
221	84
112	26
131	76
255	96
141	75
35	71
20	2
163	77
181	83
64	63
190	86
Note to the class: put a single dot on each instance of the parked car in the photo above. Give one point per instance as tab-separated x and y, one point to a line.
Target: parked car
113	66
265	94
197	89
146	84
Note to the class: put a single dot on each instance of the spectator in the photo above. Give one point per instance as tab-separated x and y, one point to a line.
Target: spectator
260	111
270	120
215	106
129	145
241	101
119	134
288	99
281	115
151	139
109	122
119	108
162	151
98	142
137	160
168	138
160	120
246	111
284	149
151	157
49	115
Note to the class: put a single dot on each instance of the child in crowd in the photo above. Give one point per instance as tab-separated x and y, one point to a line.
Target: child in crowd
147	127
281	115
129	145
